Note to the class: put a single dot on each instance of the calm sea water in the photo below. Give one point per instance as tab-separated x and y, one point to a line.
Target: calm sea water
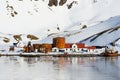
51	68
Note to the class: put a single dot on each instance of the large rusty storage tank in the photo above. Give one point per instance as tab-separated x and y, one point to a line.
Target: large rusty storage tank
59	42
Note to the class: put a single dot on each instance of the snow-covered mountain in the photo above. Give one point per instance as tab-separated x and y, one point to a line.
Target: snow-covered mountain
85	34
43	17
94	22
106	33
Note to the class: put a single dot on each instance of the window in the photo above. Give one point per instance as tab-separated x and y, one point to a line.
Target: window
61	50
74	46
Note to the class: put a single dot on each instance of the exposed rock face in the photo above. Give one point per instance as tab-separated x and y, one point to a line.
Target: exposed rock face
17	37
70	5
6	40
32	37
53	2
62	2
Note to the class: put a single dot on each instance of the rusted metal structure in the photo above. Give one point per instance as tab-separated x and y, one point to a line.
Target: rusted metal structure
11	48
59	42
45	48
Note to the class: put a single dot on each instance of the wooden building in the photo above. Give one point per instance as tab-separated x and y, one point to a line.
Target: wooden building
45	48
36	47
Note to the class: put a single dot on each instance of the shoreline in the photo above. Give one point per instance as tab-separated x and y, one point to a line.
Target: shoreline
53	55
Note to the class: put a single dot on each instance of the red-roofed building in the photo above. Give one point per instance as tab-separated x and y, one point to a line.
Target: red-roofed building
74	47
79	45
68	45
90	47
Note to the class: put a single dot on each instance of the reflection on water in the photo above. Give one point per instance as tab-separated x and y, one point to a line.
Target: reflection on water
54	68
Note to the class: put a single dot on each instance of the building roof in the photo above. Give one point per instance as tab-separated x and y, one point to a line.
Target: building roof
90	47
79	45
68	45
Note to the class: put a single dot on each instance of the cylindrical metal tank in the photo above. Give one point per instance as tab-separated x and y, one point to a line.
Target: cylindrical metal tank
59	42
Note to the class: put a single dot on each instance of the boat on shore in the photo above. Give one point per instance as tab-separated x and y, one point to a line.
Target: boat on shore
109	53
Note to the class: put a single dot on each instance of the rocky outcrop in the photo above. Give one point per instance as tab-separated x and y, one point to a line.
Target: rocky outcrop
6	40
71	4
53	2
62	2
32	37
17	37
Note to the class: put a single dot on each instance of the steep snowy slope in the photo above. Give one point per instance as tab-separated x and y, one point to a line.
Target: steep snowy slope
43	17
104	33
80	34
94	22
107	37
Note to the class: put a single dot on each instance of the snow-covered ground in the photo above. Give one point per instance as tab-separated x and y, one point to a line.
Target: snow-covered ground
47	22
37	17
